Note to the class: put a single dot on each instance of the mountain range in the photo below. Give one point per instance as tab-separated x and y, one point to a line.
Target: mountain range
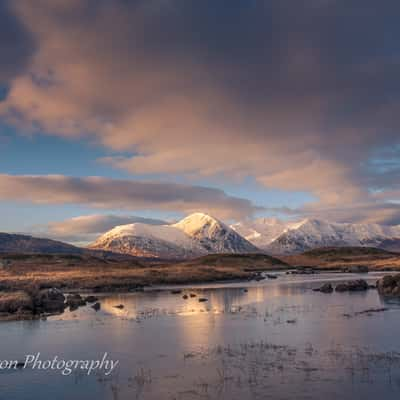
200	234
277	237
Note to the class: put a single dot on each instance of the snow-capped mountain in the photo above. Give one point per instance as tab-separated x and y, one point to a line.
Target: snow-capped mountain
262	231
195	235
213	235
144	240
313	233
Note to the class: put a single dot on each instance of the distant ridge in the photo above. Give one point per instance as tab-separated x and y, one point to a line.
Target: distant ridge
276	237
346	257
16	243
12	243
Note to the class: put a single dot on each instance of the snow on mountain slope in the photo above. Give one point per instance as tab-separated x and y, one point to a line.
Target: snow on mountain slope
196	235
162	241
313	233
213	235
200	234
262	231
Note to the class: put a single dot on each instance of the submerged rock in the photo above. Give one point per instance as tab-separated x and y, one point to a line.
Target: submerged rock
305	270
389	285
120	306
357	269
202	299
352	286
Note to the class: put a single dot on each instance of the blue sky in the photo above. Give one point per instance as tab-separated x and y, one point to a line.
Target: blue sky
39	154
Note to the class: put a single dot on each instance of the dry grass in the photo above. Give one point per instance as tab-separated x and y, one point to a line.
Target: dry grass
344	257
79	272
93	273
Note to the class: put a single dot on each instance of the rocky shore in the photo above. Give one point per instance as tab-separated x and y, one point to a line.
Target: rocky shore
357	285
31	303
35	304
33	287
388	286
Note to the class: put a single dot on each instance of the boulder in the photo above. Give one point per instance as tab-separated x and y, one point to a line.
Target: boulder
352	286
258	277
49	301
389	285
341	287
74	301
96	306
91	299
326	288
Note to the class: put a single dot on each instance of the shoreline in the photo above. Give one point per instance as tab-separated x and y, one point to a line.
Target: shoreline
31	285
24	304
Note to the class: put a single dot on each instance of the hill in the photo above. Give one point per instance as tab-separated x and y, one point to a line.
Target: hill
15	243
346	257
242	261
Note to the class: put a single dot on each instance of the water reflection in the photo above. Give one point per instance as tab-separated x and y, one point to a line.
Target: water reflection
276	337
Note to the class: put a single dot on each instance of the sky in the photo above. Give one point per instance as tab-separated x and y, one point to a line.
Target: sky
117	111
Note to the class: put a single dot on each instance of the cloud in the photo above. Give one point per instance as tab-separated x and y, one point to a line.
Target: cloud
17	46
87	228
387	213
122	194
298	95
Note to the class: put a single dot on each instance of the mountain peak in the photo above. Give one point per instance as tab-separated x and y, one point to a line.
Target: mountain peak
198	222
200	218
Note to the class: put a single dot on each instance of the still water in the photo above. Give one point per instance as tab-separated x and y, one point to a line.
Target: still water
274	339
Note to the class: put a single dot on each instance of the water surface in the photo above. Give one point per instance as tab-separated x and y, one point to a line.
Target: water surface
273	339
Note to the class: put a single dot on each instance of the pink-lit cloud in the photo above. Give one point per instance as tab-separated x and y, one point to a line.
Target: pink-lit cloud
122	194
297	96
